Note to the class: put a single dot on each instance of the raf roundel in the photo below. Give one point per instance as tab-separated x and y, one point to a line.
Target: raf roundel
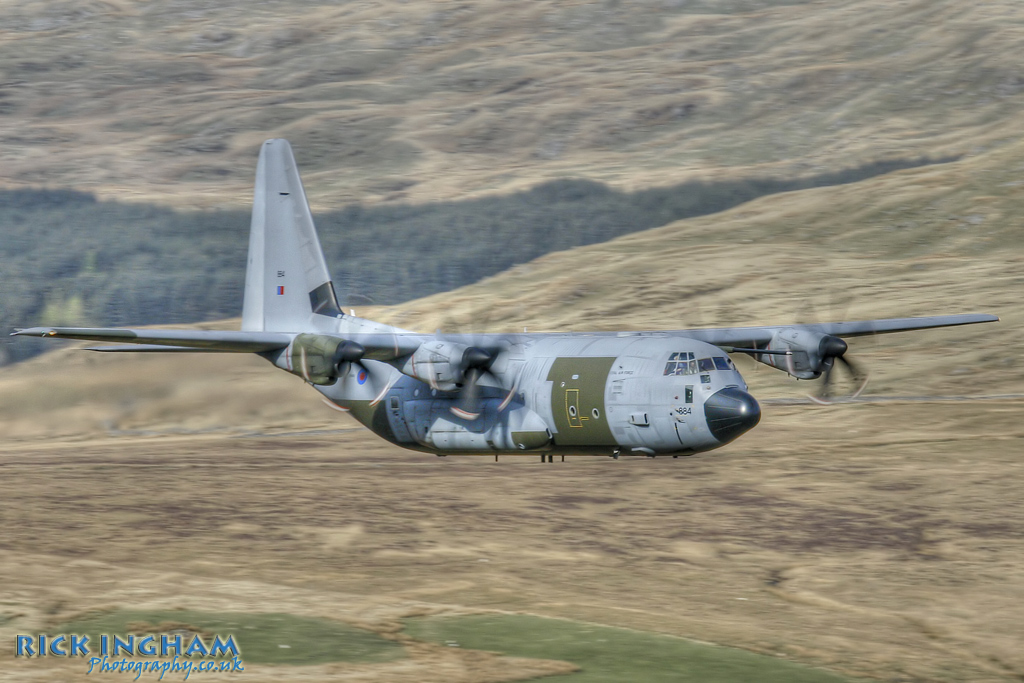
361	377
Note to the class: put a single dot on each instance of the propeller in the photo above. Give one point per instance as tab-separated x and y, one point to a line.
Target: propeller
830	350
349	354
476	362
474	322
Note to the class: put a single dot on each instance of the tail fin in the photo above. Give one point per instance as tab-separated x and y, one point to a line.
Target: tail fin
286	280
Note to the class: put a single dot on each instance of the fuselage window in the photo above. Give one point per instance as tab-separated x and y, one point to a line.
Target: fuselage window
706	365
681	363
722	363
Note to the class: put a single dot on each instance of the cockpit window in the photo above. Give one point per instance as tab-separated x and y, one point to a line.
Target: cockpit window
681	363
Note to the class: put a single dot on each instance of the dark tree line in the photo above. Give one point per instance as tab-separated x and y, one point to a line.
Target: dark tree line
68	259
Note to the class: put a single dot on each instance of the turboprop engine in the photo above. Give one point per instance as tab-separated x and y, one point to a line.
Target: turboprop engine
445	365
449	366
804	354
320	359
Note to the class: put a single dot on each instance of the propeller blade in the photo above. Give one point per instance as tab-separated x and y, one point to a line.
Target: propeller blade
385	390
334	406
859	375
833	349
823	396
303	363
468	405
476	363
511	394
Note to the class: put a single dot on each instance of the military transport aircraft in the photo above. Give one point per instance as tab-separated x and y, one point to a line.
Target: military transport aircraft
646	393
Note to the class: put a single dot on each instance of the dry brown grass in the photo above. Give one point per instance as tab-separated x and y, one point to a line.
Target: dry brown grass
423	100
879	540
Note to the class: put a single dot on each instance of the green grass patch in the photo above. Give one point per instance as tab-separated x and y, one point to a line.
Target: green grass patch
607	654
262	638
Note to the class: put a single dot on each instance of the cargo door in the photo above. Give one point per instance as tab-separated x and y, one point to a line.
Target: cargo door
577	401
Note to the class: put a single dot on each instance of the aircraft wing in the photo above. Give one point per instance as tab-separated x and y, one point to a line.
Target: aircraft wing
378	346
167	340
383	346
151	348
752	336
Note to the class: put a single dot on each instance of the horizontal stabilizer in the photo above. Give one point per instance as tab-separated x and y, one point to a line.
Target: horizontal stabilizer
174	340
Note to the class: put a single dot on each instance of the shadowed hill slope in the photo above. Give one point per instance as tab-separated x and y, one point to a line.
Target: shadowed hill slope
70	260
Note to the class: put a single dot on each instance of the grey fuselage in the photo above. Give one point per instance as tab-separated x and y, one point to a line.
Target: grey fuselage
569	395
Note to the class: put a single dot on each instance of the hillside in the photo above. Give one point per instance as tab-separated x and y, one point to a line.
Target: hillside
925	241
423	100
72	260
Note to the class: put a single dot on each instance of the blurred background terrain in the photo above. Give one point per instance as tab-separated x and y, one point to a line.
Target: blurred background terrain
603	165
426	129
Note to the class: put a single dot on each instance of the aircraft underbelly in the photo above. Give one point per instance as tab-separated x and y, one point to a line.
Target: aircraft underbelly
431	423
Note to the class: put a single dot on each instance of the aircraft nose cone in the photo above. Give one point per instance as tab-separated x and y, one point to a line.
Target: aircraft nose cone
731	412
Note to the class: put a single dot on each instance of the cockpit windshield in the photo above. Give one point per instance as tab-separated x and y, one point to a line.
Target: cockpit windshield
683	363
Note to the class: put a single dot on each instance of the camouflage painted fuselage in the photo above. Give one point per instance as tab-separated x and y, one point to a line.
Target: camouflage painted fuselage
570	395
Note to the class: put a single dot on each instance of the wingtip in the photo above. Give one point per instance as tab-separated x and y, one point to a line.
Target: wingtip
34	332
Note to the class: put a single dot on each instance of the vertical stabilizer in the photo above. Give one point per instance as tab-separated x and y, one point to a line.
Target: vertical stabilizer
286	280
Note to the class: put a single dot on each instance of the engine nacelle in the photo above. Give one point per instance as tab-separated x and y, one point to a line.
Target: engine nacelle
440	364
318	358
808	353
311	358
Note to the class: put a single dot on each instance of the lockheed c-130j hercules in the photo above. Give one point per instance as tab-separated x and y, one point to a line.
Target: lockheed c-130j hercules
673	392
